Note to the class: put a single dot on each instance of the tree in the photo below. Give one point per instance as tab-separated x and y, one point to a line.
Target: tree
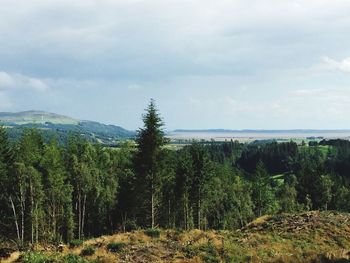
263	194
57	192
183	180
6	162
149	140
27	186
80	169
201	172
126	197
324	186
288	195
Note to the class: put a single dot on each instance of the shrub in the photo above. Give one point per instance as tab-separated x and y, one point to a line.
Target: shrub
76	243
116	247
152	232
88	251
130	225
209	254
71	258
35	257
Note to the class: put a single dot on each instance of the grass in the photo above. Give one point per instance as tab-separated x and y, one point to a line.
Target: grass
305	237
76	243
152	232
87	251
116	246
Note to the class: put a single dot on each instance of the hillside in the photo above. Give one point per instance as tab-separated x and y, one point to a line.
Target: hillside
61	126
306	237
37	117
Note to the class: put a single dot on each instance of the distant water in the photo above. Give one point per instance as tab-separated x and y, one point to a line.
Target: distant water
251	135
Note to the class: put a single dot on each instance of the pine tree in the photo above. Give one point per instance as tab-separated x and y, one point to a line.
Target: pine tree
149	140
201	171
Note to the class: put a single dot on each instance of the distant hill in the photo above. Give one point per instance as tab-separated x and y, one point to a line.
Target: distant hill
298	131
35	117
61	126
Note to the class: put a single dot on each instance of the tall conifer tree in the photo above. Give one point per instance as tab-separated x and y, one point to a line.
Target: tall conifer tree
150	138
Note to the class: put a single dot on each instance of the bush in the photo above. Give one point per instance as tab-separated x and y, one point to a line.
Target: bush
35	257
130	225
88	251
71	258
115	247
152	232
209	253
76	243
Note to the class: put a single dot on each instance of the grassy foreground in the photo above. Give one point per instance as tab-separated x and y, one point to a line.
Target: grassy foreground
307	237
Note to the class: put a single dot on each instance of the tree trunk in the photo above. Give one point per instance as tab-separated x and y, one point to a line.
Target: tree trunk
199	210
36	224
22	201
15	219
83	217
185	214
54	222
152	206
169	214
32	213
79	216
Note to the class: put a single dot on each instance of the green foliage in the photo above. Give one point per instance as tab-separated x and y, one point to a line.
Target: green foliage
264	195
35	257
152	232
72	258
116	246
207	252
55	193
76	243
149	140
87	251
130	225
38	257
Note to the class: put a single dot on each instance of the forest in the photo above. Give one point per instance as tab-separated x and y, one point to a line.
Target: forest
53	192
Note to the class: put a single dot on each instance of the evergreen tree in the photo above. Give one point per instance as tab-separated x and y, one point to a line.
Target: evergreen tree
183	183
149	140
201	172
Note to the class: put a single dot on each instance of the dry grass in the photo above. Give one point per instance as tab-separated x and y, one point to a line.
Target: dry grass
306	237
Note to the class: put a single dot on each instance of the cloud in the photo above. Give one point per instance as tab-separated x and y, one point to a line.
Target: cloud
18	81
191	55
342	65
161	39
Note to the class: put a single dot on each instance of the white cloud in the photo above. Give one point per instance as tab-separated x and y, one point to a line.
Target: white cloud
332	64
186	48
18	81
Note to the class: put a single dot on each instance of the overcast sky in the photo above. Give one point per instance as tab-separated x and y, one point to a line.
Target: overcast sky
235	64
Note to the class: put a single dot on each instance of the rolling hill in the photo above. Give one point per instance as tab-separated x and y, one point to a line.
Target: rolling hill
62	126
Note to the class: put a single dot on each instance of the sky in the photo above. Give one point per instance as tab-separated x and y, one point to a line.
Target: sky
233	64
